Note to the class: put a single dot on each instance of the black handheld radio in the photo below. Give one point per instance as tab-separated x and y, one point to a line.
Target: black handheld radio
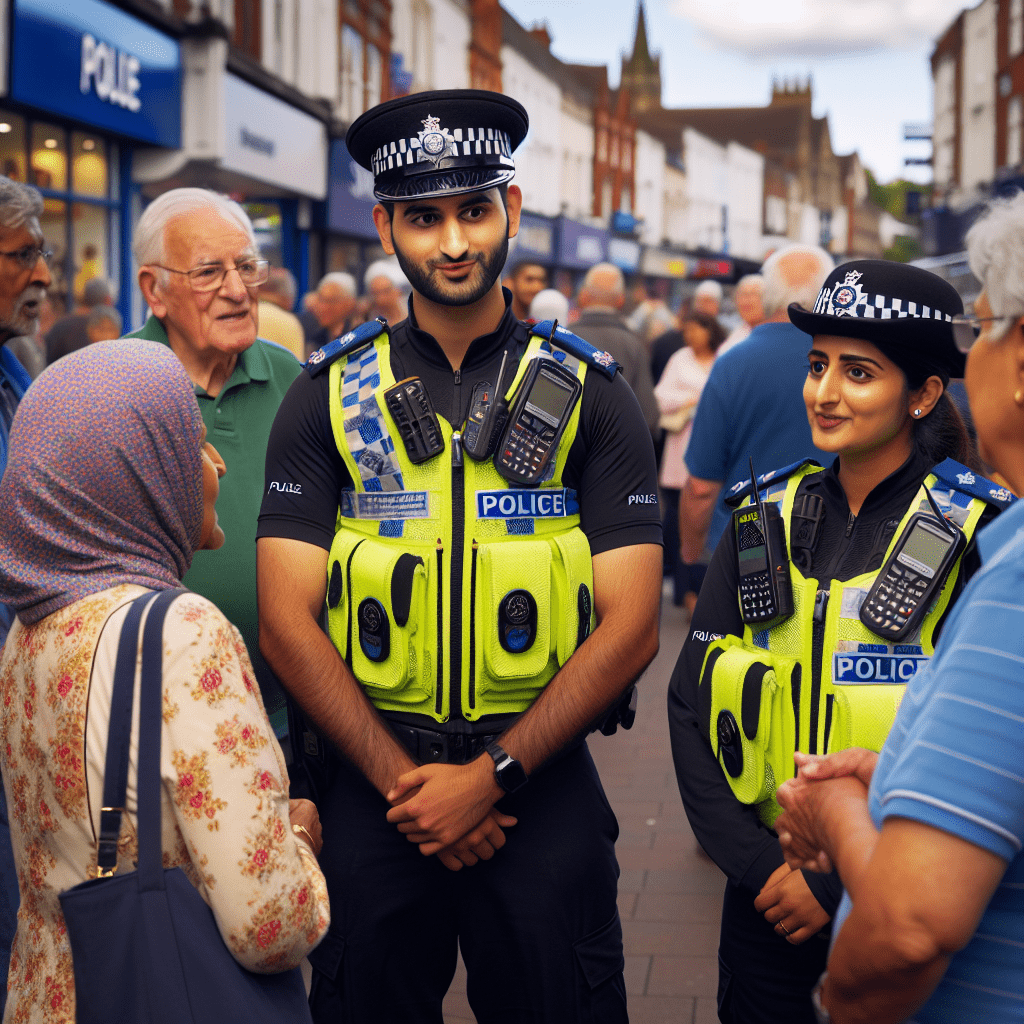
539	415
486	417
765	590
913	575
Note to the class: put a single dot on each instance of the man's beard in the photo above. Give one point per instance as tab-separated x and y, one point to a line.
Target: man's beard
21	323
456	293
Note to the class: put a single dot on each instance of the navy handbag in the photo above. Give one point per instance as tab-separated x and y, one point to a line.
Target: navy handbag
144	944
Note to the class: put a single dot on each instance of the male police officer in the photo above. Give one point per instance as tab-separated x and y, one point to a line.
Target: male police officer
460	672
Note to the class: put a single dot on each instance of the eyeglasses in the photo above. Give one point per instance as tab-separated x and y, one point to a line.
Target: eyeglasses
967	328
210	276
29	256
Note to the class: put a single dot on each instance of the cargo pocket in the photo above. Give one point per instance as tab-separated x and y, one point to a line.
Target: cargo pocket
512	617
602	991
392	621
862	716
572	575
747	716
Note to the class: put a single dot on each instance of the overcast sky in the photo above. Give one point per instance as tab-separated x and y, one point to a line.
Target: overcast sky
868	58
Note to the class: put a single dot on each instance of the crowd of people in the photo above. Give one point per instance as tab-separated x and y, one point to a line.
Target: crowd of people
416	541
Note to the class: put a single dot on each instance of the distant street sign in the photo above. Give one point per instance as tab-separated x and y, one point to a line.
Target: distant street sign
917	132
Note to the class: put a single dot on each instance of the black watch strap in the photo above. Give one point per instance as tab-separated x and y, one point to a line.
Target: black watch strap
508	772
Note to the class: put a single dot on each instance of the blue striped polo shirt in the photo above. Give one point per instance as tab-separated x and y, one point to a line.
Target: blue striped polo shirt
955	760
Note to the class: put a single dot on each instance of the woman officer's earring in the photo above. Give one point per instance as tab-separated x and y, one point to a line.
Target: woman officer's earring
917	412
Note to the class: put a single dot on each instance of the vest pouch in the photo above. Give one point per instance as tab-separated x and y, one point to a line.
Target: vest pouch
339	624
392	621
746	715
572	577
863	715
512	622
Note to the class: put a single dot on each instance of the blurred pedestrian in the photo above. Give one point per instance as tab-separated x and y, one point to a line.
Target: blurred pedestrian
108	491
24	278
103	324
385	292
749	305
277	321
677	394
68	334
707	298
200	271
751	404
650	317
328	310
549	304
526	280
600	322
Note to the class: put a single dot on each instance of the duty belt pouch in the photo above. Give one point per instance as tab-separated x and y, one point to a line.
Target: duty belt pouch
746	714
512	619
382	615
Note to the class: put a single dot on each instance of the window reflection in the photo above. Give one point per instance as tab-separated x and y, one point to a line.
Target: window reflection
49	156
89	227
12	146
88	164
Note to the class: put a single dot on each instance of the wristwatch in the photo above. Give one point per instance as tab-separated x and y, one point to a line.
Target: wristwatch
508	772
820	1013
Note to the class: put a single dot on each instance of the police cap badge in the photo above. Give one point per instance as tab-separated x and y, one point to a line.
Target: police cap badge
446	142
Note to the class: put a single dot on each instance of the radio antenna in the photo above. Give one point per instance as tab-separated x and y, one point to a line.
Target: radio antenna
938	512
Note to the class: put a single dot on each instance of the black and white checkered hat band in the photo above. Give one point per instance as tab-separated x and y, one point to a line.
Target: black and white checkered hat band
842	300
467	142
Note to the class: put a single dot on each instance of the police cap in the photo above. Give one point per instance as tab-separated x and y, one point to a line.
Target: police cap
906	311
445	142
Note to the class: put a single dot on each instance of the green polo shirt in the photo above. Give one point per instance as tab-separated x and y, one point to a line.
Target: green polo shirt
238	423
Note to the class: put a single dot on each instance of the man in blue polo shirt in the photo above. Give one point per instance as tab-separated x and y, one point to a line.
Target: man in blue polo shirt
752	404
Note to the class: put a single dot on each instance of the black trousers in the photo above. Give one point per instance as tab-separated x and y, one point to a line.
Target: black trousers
762	978
537	925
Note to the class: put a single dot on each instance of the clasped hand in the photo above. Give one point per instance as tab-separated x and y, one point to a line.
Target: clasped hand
449	810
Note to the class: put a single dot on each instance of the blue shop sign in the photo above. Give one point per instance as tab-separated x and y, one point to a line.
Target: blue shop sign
93	63
350	198
536	238
580	246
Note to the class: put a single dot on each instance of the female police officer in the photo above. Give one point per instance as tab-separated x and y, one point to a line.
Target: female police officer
817	660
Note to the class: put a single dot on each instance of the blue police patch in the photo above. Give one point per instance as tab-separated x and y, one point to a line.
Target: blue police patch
595	357
526	504
354	339
741	489
962	479
865	668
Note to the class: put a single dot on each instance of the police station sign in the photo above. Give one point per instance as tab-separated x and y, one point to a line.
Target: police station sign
97	65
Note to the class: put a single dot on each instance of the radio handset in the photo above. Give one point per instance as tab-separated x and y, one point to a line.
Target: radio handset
765	588
488	411
540	412
913	575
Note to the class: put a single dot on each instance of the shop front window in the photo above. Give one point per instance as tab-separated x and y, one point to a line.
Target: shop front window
76	172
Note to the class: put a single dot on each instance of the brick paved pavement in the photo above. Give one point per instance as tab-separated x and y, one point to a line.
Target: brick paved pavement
670	897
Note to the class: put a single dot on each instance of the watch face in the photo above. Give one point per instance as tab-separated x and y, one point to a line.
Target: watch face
510	775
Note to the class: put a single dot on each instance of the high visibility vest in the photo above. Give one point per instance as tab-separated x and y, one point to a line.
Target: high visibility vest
821	681
431	562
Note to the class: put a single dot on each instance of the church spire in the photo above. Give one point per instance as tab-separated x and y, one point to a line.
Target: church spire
641	72
641	58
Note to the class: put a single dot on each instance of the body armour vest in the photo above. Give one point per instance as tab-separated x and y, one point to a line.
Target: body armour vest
450	592
819	681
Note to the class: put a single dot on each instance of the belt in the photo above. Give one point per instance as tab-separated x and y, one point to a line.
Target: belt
431	745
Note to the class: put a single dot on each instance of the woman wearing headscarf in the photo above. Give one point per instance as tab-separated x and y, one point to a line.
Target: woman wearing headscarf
824	597
109	489
928	836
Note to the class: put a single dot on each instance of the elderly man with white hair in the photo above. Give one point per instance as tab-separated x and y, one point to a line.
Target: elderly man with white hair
200	270
749	305
329	311
752	404
600	301
707	298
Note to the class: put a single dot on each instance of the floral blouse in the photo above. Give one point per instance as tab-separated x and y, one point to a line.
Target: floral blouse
224	798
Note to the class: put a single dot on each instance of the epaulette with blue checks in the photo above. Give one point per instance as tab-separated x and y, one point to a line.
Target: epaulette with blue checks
348	343
966	481
599	359
741	490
